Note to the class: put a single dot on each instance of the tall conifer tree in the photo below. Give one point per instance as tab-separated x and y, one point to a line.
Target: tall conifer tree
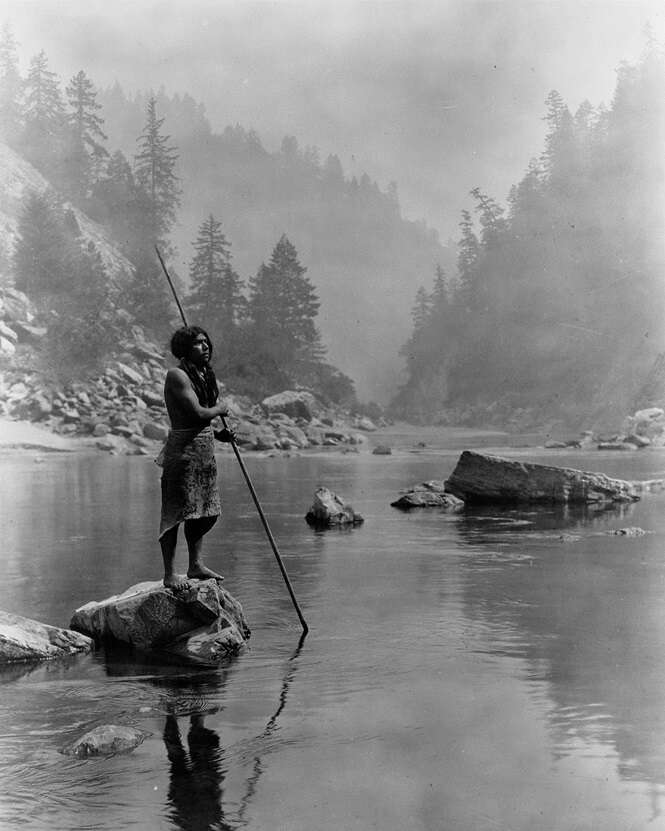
155	173
216	295
86	150
44	117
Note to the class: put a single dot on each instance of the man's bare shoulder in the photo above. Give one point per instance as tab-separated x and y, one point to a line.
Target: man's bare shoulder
176	376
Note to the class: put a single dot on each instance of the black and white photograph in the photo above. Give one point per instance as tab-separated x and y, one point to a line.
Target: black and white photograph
332	415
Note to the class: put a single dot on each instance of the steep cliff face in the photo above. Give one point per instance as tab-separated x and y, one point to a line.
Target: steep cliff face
18	178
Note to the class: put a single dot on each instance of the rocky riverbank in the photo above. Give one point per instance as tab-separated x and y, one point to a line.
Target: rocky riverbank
121	409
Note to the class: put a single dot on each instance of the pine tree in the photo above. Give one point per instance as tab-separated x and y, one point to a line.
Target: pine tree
422	310
560	149
40	255
11	85
283	306
216	296
45	119
86	151
467	261
154	170
492	222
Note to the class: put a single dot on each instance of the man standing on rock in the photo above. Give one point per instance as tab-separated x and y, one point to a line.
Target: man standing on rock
189	477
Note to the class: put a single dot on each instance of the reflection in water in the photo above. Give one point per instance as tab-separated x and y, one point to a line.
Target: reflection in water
587	625
196	776
197	766
270	726
489	523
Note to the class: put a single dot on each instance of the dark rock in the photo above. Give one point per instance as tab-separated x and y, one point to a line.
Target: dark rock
481	478
23	639
428	495
328	510
638	441
106	740
633	531
199	623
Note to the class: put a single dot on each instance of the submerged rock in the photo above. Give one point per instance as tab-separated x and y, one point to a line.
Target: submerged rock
481	477
23	639
632	531
431	494
200	623
328	510
106	740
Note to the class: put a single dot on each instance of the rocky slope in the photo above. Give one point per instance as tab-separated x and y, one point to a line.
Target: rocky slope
122	410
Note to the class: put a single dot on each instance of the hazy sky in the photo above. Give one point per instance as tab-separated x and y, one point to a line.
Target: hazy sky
439	96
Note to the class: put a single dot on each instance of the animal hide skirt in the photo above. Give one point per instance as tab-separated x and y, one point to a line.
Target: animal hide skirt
189	477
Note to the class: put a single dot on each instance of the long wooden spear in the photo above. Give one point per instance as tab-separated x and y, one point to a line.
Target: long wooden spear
264	521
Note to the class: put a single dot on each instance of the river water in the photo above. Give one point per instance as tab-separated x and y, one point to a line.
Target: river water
489	670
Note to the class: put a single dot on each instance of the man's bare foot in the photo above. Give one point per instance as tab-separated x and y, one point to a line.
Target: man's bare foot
204	573
175	581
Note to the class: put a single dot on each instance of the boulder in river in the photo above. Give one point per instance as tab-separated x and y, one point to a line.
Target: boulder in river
294	403
23	639
106	740
329	510
428	495
480	477
200	622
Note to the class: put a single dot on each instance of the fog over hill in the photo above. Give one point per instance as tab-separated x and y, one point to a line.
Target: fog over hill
357	130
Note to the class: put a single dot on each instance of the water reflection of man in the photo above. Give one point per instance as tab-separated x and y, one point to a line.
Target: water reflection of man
196	776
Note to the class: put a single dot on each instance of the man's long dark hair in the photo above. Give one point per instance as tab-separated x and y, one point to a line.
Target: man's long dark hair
203	380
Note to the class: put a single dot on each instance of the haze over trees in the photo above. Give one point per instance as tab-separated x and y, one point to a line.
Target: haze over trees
549	305
265	328
556	304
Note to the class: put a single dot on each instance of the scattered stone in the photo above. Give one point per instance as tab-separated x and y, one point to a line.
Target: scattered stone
638	441
295	403
7	332
428	495
106	740
328	510
23	639
130	374
633	531
479	478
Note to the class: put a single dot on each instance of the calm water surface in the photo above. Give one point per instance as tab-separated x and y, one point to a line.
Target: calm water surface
463	672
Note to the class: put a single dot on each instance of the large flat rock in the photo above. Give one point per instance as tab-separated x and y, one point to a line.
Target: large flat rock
480	477
25	640
200	623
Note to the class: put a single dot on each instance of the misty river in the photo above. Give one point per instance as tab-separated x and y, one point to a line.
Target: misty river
494	669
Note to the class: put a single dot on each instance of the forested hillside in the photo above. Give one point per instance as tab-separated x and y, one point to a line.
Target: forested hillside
363	257
151	171
555	310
